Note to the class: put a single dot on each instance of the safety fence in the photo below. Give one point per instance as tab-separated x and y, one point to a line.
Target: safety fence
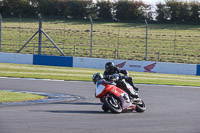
111	40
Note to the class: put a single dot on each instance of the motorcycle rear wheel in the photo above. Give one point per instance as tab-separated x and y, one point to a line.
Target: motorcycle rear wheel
114	107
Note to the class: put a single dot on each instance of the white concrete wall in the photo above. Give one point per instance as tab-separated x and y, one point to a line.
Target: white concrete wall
16	58
177	68
95	63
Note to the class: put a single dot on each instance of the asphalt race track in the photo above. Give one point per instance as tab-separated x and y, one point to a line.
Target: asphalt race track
170	109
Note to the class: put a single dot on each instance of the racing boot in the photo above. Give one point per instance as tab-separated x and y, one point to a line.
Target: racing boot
136	89
133	95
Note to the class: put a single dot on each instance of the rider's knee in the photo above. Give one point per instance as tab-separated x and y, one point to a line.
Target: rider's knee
130	78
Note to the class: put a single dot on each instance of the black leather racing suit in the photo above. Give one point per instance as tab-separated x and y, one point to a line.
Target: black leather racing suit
120	83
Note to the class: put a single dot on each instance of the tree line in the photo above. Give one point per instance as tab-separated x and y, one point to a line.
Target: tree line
122	10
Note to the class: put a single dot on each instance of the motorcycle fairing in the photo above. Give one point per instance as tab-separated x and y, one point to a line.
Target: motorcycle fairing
125	103
103	89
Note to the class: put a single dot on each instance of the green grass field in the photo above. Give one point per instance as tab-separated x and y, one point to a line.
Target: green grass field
166	42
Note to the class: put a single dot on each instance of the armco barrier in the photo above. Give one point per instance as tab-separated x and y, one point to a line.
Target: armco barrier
53	60
16	58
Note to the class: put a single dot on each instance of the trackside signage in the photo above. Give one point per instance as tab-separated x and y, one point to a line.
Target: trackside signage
157	67
138	66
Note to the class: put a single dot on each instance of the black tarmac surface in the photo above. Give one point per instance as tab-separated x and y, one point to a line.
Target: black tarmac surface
170	109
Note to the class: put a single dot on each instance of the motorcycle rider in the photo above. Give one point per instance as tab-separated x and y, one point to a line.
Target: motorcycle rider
111	69
98	77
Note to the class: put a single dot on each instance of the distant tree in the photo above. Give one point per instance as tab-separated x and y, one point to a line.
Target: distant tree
184	12
46	7
195	11
172	10
162	12
129	10
16	7
77	9
104	9
173	7
179	11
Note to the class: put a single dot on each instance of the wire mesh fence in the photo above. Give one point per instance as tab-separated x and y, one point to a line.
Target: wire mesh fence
166	42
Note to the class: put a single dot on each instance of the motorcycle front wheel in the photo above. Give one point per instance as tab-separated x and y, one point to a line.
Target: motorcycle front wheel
104	108
140	107
112	104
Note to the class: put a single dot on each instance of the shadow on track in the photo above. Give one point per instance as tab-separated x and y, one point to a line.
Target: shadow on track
78	103
75	111
70	111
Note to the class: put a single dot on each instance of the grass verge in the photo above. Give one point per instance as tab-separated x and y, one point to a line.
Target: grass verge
7	97
84	74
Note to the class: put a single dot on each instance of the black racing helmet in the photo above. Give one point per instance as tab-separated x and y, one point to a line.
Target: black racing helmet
109	66
96	77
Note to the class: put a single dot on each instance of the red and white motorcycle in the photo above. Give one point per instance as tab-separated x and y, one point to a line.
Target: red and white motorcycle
116	100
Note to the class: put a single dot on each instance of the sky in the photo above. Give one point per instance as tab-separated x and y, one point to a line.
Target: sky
162	1
154	2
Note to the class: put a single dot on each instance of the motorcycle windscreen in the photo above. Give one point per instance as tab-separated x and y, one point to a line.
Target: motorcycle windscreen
99	89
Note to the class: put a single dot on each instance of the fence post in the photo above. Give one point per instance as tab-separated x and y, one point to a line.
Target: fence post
40	35
158	56
175	40
115	53
146	40
91	36
74	51
0	30
64	35
118	41
20	21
